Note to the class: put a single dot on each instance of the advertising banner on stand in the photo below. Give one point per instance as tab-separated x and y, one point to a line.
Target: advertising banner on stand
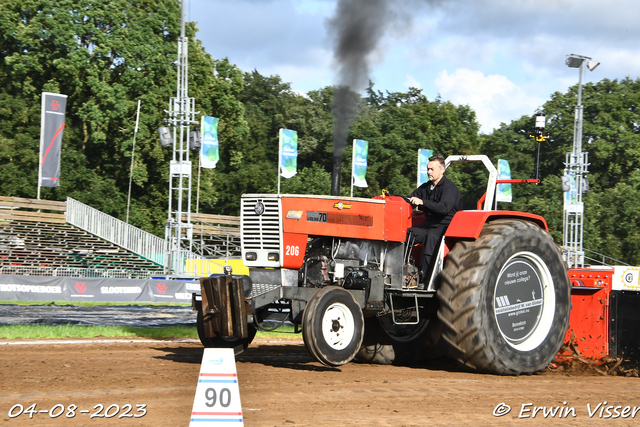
503	192
54	106
423	161
359	169
48	288
209	154
288	153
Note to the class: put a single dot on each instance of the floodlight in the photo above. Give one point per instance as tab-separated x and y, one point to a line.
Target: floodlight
592	65
194	140
575	61
166	140
540	121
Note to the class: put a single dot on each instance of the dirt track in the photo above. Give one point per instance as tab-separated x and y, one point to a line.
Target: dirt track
280	385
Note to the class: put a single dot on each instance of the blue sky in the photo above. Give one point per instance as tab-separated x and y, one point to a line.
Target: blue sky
504	58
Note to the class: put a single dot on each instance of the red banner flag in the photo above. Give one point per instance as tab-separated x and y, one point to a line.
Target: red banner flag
52	125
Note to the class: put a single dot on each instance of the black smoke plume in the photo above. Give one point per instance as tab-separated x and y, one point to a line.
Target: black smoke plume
357	28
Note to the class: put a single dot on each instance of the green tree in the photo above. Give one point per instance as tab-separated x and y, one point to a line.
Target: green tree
105	55
610	136
397	125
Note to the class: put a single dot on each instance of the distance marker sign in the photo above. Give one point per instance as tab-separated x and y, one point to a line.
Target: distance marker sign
217	400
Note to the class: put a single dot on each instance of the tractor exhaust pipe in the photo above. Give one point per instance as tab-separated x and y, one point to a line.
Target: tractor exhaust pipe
335	175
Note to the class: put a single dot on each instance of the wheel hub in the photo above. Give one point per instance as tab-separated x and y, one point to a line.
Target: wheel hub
519	301
338	327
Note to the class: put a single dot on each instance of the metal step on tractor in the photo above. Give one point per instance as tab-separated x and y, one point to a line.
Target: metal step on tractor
338	268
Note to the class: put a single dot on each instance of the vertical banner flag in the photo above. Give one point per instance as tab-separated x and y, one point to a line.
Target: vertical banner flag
359	171
503	192
423	161
209	154
288	153
54	106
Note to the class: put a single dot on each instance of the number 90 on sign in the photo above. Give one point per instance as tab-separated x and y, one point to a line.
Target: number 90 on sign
211	397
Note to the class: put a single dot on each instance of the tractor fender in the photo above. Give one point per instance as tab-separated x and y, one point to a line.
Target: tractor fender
469	224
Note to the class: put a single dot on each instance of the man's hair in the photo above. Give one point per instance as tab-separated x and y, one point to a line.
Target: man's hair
437	158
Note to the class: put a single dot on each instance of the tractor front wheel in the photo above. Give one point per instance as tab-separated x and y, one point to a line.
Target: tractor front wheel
332	326
505	299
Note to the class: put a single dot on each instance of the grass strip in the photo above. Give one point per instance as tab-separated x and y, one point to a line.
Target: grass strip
78	331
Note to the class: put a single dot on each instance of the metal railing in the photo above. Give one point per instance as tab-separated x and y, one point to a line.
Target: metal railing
604	259
78	272
197	265
148	245
219	244
116	231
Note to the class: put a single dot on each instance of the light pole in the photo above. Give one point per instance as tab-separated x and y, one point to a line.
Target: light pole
182	113
575	169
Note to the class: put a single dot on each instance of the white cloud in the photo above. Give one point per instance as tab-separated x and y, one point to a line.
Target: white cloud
494	98
516	47
411	82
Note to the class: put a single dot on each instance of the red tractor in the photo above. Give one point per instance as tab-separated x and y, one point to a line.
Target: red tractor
338	267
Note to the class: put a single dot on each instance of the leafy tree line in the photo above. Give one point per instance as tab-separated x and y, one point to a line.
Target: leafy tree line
106	55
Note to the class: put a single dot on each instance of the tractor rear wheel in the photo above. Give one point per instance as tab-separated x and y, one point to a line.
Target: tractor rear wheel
220	341
333	326
505	299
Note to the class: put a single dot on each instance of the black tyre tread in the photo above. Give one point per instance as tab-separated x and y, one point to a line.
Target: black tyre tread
461	292
307	323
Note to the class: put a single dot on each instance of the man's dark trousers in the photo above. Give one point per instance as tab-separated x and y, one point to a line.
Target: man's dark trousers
429	234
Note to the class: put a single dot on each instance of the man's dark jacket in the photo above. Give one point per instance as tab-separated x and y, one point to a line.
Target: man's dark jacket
441	203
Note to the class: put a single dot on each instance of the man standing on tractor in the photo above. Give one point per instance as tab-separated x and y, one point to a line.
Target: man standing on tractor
439	199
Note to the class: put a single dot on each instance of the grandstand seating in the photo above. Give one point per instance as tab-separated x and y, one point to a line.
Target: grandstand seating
30	237
216	235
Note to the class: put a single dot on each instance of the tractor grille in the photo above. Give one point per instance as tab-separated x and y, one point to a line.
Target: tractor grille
261	231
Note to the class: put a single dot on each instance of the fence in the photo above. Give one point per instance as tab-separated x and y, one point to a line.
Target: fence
115	231
135	240
604	259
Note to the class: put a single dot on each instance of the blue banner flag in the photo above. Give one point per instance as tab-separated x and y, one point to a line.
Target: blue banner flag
423	161
209	154
359	171
503	192
288	153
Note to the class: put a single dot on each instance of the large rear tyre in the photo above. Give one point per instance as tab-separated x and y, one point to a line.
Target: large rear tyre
220	341
505	299
333	326
388	344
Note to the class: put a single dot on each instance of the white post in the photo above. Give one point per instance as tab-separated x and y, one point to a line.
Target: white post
133	151
353	163
279	156
418	169
41	144
199	163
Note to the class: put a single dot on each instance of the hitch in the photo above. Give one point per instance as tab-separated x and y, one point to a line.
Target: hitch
224	310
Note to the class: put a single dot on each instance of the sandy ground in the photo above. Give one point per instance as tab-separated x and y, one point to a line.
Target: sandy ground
281	385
